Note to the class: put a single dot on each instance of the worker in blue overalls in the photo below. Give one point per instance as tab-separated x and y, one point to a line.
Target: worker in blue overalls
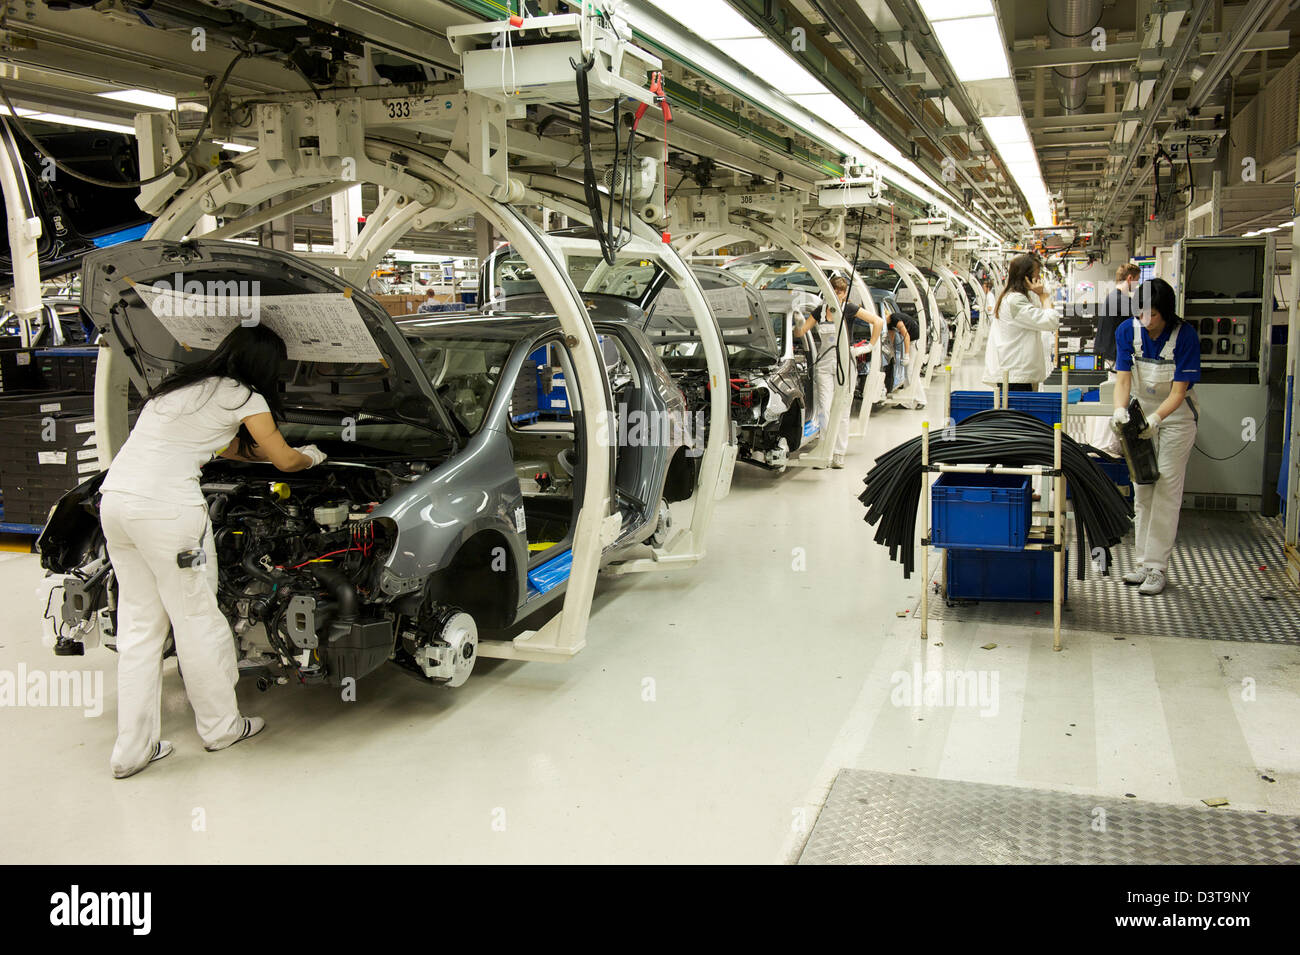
1158	360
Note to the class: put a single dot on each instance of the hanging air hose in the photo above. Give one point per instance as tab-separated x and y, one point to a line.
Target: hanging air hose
845	337
611	237
997	437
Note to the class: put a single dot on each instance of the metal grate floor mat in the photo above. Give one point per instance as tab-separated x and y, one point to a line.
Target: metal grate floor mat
1226	582
883	818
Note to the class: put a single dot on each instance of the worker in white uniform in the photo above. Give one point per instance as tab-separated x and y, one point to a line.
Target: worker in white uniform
159	539
1157	361
1022	313
833	362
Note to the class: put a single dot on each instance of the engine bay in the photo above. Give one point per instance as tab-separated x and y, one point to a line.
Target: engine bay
298	558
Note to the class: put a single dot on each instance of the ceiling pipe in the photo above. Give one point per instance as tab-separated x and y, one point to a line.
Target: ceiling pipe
1070	24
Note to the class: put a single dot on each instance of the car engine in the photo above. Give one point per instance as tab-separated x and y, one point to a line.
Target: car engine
299	558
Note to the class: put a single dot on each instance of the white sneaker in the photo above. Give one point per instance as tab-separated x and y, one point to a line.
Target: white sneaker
837	461
1155	583
160	749
1135	577
252	726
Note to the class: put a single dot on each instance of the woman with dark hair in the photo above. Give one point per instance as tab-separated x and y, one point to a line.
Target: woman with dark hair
1021	315
1157	361
156	527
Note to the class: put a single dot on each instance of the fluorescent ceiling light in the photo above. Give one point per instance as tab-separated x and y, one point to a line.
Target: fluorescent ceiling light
974	47
81	122
4	111
237	147
710	19
1006	129
955	9
1267	229
1287	225
829	108
773	65
1249	235
142	98
1019	154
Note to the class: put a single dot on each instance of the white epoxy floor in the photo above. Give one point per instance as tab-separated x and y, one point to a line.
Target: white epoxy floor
767	679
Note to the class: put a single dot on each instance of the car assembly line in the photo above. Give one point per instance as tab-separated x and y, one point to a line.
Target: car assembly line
665	423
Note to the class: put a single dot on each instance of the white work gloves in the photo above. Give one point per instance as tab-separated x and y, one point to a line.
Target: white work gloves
316	454
1153	423
1118	420
907	359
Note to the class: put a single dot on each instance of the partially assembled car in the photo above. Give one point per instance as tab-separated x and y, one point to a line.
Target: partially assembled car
444	509
770	377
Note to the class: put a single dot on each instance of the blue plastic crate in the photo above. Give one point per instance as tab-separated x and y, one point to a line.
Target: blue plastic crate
1046	405
986	511
984	575
963	404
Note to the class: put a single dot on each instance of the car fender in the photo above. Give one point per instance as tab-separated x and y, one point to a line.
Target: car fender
475	491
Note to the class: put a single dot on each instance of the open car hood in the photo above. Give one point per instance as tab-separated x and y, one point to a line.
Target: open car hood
346	354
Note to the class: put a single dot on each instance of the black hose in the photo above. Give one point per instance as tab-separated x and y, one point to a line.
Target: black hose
996	437
344	592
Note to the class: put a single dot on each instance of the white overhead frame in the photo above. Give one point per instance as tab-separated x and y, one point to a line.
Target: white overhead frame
256	177
915	390
787	239
962	333
24	230
860	294
566	196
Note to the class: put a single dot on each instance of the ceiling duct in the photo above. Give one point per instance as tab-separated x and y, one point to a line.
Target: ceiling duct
1070	24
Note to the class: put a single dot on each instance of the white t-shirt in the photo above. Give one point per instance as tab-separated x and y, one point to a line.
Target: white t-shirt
176	435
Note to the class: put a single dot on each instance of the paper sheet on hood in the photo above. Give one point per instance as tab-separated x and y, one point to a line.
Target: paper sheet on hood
322	327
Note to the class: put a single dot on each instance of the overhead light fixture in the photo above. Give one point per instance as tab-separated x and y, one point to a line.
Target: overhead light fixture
1019	154
771	64
975	48
142	98
237	147
1006	129
78	121
709	19
1268	229
1286	225
956	9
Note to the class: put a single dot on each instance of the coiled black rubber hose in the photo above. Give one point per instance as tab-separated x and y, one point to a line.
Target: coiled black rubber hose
997	437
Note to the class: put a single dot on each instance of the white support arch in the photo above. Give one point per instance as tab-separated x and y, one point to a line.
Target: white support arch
425	182
962	334
718	461
24	225
915	390
860	295
786	239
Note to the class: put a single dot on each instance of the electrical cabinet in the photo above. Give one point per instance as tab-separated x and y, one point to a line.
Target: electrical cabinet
1225	292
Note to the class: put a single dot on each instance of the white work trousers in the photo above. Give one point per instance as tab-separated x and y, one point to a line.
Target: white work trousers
826	376
144	537
1157	506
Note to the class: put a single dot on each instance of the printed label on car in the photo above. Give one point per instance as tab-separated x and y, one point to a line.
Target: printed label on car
521	521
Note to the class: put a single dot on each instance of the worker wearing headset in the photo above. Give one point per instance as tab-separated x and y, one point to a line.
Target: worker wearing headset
1158	361
830	362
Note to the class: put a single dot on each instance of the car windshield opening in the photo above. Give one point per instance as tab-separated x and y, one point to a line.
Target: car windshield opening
464	373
